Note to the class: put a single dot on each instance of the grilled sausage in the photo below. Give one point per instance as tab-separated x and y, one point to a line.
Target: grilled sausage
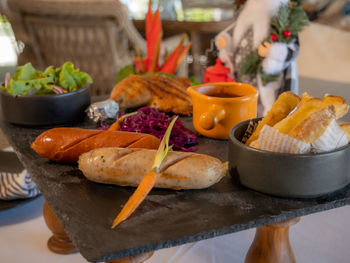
126	167
67	144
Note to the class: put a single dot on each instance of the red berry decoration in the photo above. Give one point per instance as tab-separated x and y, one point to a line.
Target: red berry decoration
287	33
273	37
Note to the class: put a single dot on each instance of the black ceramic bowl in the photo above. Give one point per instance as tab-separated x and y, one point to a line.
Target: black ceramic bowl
288	175
41	110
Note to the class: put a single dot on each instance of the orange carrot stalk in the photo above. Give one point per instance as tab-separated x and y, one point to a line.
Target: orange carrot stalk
137	197
148	181
116	125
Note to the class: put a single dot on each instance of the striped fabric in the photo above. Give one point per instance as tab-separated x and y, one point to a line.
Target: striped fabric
17	185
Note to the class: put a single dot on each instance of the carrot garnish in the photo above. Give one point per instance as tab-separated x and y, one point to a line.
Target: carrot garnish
116	125
148	181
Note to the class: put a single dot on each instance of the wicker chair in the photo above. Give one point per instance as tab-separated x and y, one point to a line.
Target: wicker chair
96	35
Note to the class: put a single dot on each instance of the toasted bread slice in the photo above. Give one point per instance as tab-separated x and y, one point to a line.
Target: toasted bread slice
340	105
346	128
255	144
314	125
305	110
284	104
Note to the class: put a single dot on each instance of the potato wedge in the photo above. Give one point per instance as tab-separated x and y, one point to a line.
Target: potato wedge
314	125
304	98
293	120
254	144
346	128
340	105
284	104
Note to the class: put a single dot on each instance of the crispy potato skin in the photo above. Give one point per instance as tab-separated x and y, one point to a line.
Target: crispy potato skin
346	128
128	166
285	103
67	144
313	126
294	119
340	105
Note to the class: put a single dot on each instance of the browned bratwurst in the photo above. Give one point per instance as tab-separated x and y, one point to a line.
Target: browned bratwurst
67	144
179	170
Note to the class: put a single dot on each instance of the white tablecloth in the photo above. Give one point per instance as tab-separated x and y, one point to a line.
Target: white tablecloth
323	238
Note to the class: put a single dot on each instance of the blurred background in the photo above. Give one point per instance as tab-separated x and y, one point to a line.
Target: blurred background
101	37
324	44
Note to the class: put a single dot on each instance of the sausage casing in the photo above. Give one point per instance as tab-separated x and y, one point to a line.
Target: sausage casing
126	167
67	144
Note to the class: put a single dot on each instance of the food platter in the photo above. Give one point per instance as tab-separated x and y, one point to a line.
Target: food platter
166	218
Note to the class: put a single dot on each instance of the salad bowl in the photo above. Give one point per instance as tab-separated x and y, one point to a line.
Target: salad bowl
43	110
50	97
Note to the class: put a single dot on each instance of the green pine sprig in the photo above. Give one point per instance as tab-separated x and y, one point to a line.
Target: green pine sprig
251	64
290	17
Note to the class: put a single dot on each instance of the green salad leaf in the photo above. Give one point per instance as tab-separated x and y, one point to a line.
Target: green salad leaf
25	72
28	81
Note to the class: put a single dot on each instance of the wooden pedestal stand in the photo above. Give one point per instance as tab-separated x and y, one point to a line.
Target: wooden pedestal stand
271	244
61	244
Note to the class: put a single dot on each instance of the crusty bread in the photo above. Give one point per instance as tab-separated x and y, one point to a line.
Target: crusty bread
284	104
314	125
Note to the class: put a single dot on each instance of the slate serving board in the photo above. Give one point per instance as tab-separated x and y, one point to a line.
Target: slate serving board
166	218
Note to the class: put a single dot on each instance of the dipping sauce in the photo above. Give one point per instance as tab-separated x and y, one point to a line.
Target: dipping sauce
223	95
217	107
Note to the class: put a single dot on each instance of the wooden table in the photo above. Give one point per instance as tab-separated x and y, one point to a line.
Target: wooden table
167	218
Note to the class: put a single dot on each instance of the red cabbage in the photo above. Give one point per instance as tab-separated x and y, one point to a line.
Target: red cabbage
152	121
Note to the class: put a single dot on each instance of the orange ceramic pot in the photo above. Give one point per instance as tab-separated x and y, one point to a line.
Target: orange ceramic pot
217	107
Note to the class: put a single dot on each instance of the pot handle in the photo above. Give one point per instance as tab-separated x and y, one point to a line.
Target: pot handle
209	119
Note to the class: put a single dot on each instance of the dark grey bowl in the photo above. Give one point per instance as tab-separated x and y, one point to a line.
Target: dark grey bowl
41	110
288	175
